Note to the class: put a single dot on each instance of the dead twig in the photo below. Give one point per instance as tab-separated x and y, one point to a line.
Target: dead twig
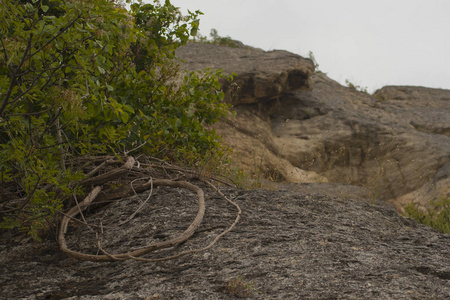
81	212
98	168
100	179
141	251
137	254
216	239
140	206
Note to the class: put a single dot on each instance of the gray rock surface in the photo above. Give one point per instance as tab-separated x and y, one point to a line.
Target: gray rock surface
425	109
288	245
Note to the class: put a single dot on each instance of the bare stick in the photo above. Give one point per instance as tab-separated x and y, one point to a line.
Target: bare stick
134	191
98	168
127	152
210	244
141	251
71	213
62	155
140	206
81	212
103	255
100	179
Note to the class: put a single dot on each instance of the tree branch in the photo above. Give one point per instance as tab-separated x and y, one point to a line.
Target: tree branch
14	77
56	36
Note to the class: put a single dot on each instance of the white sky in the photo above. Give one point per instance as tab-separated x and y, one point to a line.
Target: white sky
370	43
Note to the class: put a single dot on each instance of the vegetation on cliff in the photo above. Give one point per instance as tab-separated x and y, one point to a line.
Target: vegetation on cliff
88	79
436	216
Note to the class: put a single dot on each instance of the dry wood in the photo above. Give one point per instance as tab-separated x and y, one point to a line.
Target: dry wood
141	251
95	195
216	239
100	179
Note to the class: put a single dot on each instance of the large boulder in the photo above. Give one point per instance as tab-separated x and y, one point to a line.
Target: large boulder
426	113
425	109
263	77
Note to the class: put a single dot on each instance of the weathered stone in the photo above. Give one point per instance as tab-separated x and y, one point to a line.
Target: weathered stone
288	245
354	138
262	75
425	109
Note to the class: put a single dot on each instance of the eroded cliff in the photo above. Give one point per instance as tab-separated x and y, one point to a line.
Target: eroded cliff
307	128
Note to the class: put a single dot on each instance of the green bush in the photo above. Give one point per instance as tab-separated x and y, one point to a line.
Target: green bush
216	39
356	87
86	78
437	216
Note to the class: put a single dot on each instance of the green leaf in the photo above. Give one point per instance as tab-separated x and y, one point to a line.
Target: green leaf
124	117
138	101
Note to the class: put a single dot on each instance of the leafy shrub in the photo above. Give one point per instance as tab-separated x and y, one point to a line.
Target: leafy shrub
356	87
316	64
437	216
91	78
216	39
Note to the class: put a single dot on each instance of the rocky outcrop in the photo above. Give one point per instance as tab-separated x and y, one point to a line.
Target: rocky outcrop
425	109
262	75
355	138
394	143
288	245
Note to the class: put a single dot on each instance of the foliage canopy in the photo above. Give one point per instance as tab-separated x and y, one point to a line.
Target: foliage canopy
85	78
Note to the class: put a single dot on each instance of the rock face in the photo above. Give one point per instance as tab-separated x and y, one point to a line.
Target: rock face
395	143
425	109
288	245
262	75
354	138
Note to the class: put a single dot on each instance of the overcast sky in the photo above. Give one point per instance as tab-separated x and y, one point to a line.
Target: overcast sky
370	43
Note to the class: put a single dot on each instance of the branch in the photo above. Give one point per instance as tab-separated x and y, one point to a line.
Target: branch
140	206
141	251
216	239
4	50
100	179
34	83
104	255
26	57
62	156
14	77
56	36
24	200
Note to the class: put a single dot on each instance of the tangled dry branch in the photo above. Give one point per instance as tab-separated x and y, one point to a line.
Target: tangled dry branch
137	254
